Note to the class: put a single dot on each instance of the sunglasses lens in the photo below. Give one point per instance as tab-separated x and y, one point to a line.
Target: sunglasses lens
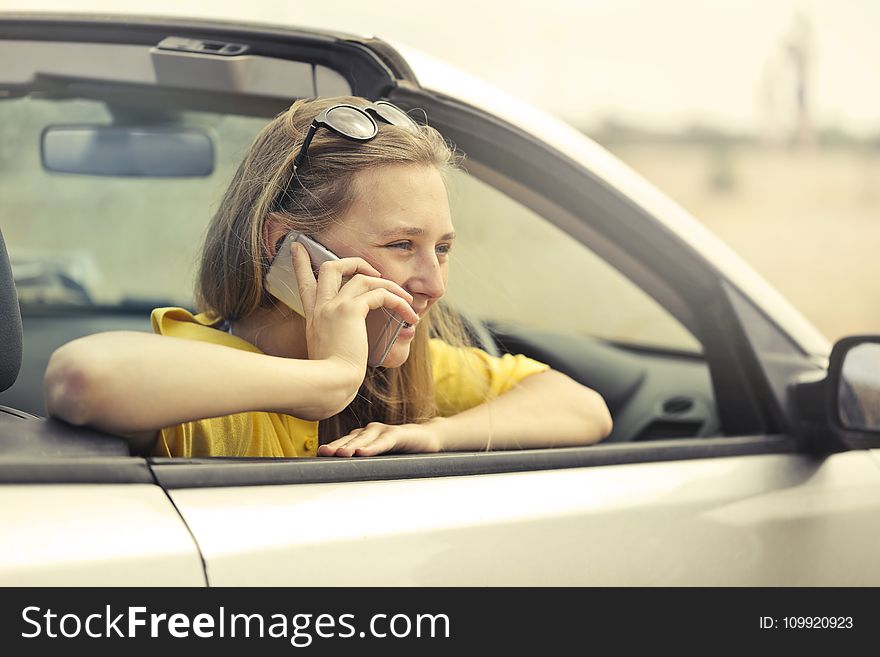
351	123
395	116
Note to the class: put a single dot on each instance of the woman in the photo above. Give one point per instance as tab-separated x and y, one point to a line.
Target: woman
250	377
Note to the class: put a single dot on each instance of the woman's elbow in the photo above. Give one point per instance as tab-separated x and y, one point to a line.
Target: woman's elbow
71	383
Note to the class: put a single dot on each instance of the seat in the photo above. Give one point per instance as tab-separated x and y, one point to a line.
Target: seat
10	323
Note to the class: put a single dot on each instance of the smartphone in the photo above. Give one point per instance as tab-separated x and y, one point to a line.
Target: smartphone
383	326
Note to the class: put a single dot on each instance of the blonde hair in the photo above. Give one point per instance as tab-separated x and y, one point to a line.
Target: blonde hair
234	261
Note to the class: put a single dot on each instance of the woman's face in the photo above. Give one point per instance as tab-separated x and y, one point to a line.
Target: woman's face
400	223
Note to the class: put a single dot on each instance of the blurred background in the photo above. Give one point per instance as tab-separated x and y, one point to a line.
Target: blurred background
760	118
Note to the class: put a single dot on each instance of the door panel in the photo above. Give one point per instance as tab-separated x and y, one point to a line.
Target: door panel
753	520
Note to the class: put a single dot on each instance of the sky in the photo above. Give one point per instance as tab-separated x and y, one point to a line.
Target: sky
660	64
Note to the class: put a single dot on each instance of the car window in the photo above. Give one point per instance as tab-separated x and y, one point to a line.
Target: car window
511	265
95	240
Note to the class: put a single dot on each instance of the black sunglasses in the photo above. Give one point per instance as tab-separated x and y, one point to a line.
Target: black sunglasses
356	123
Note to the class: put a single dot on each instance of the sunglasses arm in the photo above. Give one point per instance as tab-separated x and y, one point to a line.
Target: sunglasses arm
305	145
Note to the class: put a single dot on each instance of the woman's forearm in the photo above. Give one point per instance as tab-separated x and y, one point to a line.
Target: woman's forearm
544	410
127	382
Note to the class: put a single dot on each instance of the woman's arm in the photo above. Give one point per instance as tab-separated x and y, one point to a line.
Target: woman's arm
135	384
544	410
130	382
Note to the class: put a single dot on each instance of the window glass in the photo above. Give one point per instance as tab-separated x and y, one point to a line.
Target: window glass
510	265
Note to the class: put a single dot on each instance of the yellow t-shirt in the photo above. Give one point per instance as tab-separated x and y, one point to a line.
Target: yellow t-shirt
260	433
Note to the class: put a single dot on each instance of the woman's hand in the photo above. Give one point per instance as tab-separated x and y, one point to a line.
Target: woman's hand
336	309
377	438
547	409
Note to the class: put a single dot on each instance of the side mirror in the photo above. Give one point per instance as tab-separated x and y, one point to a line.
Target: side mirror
842	409
854	384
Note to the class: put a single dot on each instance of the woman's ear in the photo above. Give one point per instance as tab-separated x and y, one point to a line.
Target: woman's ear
274	232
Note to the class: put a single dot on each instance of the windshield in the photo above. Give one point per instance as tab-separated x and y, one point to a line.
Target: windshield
81	241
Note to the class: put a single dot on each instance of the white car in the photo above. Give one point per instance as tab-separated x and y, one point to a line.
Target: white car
737	458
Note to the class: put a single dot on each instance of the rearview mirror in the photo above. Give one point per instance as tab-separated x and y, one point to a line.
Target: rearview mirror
131	151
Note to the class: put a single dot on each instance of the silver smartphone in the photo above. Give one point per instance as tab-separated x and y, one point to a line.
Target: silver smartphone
281	283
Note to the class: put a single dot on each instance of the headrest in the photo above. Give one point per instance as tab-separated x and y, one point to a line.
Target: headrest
10	323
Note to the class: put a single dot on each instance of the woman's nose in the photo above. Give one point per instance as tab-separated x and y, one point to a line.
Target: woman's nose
428	278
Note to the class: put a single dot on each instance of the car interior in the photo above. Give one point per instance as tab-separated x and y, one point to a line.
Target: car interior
115	152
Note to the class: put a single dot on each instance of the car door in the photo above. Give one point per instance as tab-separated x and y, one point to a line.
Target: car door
778	519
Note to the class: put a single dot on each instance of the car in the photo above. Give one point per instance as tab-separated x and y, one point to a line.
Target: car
744	448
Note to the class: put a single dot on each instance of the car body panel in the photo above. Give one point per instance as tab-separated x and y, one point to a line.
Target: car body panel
94	535
777	520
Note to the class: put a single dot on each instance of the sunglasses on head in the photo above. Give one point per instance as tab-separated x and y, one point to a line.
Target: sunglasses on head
356	123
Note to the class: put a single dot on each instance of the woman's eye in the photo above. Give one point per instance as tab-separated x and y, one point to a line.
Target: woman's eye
441	249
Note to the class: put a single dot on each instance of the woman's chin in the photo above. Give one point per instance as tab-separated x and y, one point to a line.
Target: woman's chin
397	356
